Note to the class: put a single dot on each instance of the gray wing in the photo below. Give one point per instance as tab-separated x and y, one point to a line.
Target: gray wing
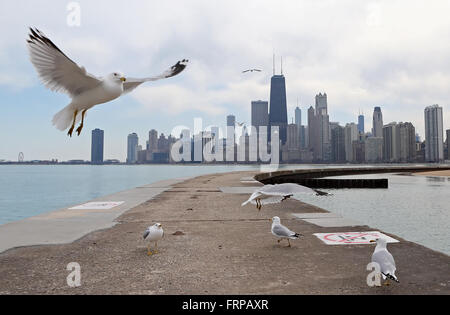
252	198
272	200
146	233
286	189
131	83
57	71
282	231
385	260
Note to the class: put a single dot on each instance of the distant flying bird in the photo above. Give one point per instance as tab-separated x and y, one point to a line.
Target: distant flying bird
153	234
251	70
385	260
240	124
269	194
282	232
59	73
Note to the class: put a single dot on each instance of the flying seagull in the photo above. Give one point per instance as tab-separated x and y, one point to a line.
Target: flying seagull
269	194
384	259
153	234
282	232
251	70
59	73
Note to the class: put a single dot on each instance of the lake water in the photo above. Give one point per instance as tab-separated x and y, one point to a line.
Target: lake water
416	208
29	190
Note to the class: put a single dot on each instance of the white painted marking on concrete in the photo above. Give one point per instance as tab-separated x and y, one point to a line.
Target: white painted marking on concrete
102	205
353	238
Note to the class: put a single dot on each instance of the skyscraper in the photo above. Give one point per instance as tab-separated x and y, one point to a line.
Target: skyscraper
361	124
260	114
300	127
132	148
97	146
377	124
337	143
298	116
351	134
152	144
231	121
391	142
434	134
278	105
319	135
447	132
407	138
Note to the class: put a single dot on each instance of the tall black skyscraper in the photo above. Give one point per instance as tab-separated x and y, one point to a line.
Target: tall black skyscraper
278	106
97	146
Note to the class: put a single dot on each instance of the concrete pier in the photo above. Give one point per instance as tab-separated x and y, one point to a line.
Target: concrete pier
212	245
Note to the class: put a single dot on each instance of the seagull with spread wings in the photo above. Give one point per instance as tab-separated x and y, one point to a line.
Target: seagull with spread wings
60	74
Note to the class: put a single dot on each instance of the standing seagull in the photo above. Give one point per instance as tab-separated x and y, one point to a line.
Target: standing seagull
59	73
153	234
382	257
282	232
269	194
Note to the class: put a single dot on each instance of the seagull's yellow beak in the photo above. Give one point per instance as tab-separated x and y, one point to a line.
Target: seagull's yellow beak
123	79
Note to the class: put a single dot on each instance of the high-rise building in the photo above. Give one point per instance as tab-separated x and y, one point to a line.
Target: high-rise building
260	114
407	138
278	105
361	124
447	132
292	141
311	129
132	148
374	150
319	129
231	121
434	134
351	134
298	116
377	124
391	142
152	144
337	143
97	146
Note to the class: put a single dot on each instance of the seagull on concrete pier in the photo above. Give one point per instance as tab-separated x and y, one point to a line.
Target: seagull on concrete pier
282	232
153	233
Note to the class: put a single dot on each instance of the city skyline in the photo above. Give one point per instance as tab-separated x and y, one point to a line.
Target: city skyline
360	56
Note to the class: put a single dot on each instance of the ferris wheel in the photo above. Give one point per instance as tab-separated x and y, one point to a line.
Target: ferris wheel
20	157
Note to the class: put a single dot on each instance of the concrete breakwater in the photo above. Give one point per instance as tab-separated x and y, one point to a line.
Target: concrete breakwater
314	178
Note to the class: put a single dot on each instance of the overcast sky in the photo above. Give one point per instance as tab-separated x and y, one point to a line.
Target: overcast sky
393	54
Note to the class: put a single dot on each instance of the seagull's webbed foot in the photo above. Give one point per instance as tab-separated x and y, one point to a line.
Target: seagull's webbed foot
79	129
69	133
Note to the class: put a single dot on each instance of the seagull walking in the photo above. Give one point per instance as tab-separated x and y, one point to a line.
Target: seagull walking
385	260
153	233
282	232
60	74
270	194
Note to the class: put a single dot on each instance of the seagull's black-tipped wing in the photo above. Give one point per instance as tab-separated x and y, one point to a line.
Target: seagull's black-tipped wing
131	83
57	71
